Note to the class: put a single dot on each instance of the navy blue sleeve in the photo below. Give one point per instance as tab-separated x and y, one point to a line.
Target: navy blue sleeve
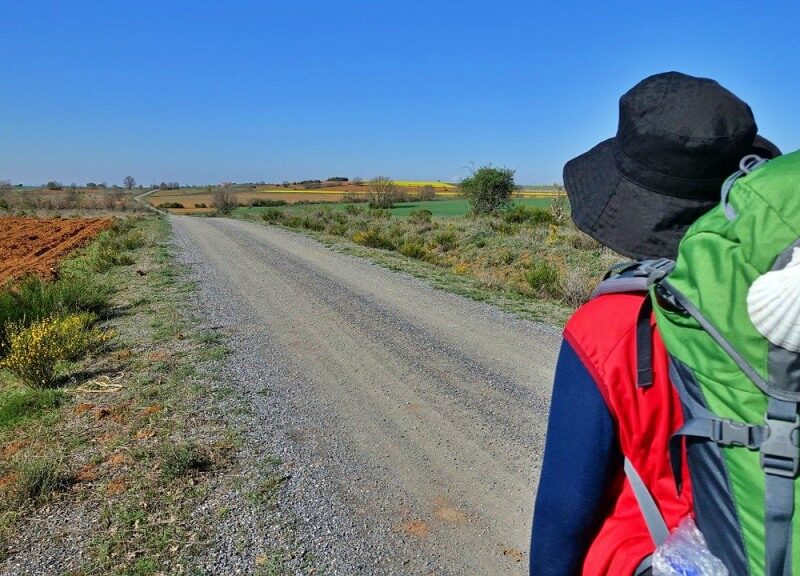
581	459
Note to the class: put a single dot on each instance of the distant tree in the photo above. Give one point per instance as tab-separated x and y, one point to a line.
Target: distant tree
427	192
338	179
488	188
357	181
224	199
73	186
129	182
102	185
383	192
91	185
54	185
5	184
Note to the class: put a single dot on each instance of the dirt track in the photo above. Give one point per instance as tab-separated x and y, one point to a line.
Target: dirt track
422	413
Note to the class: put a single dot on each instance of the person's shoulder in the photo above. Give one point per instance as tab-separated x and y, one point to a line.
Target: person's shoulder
597	327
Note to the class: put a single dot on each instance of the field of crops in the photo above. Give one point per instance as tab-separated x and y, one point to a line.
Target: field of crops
36	245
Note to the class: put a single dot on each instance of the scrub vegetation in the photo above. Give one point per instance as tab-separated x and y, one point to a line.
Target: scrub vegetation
518	250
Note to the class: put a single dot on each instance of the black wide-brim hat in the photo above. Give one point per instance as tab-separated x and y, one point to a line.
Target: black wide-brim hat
679	138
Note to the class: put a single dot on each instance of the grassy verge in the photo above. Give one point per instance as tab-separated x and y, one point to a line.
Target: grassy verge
122	441
528	260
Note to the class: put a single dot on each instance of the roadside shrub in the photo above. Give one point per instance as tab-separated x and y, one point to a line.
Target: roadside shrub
521	213
582	241
33	299
184	459
488	188
374	238
543	278
272	215
413	250
577	286
4	204
223	198
35	351
266	202
170	205
312	223
201	205
421	216
446	240
337	229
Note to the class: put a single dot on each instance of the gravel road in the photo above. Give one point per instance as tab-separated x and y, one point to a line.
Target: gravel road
412	420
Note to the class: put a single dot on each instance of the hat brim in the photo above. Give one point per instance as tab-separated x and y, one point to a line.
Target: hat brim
628	218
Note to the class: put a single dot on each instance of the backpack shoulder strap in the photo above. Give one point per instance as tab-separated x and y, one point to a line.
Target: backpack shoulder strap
633	276
638	277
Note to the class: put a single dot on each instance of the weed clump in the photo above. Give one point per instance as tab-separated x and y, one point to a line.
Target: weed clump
38	478
543	278
184	459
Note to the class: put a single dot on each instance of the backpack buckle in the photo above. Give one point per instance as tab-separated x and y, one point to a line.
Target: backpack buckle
727	432
780	453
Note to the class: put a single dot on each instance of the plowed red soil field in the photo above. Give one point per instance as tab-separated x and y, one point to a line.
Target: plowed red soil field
36	245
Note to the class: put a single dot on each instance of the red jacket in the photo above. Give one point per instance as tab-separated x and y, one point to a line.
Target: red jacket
603	334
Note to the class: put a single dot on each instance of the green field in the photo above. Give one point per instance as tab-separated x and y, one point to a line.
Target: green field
439	208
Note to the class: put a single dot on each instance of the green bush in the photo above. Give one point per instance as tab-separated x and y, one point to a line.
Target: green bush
266	202
446	240
413	250
312	223
168	205
422	216
272	215
353	209
543	277
35	352
521	213
374	238
488	188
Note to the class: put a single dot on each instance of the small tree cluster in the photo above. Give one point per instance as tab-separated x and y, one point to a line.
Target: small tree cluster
129	182
5	184
488	188
383	192
169	186
54	185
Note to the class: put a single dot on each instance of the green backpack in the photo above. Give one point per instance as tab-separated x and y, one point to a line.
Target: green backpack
729	316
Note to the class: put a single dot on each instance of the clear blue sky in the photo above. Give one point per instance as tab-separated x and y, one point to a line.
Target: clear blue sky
285	90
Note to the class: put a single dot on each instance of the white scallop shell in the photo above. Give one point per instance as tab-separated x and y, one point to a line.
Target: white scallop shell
773	303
